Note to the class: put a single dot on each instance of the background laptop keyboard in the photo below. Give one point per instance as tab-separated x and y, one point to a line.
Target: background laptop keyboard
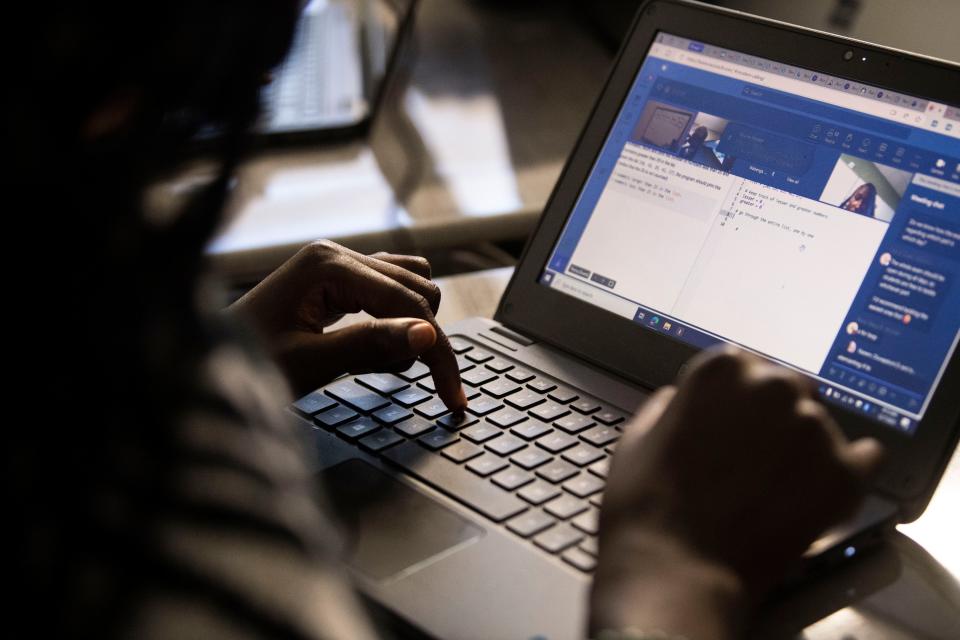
531	452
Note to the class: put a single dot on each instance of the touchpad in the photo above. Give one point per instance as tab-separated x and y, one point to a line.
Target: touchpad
391	530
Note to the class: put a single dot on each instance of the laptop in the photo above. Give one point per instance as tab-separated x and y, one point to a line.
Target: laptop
739	181
331	83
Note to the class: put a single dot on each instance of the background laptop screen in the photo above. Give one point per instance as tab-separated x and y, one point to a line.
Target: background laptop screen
808	218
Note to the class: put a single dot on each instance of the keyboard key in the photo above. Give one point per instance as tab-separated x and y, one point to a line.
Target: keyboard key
556	442
479	356
500	388
392	414
459	345
499	365
579	559
585	406
357	429
538	492
506	418
385	383
414	427
589	545
313	403
462	451
455	422
558	538
470	392
431	409
360	398
486	465
583	454
541	386
597	500
383	439
601	468
609	417
506	445
455	481
557	471
512	478
584	485
530	523
437	439
566	506
335	417
550	411
463	364
480	433
525	399
588	522
409	397
520	375
531	458
483	405
478	377
563	395
600	436
574	423
428	384
414	373
531	430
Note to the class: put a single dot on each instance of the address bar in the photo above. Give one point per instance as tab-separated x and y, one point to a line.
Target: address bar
830	96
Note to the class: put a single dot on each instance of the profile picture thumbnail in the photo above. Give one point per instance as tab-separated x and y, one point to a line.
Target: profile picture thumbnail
866	188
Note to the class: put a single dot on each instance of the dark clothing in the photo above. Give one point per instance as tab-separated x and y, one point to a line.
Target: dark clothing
210	531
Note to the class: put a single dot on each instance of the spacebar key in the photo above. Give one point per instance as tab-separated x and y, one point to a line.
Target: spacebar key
456	481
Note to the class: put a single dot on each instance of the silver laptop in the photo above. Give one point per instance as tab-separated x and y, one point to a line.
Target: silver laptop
332	78
739	181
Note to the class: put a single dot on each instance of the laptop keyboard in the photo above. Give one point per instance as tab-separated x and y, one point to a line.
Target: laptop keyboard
530	453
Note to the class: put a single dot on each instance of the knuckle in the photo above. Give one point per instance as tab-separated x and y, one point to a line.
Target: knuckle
778	387
433	294
424	265
322	250
422	303
723	364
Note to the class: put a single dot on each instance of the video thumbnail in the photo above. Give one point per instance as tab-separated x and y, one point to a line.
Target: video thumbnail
867	188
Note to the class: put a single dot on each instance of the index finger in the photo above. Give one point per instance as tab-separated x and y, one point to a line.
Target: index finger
359	287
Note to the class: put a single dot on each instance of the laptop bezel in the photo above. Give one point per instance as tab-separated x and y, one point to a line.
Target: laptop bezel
652	359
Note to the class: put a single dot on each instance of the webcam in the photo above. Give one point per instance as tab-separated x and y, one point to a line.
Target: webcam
848	55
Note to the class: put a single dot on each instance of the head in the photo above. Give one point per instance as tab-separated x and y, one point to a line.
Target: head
118	90
862	200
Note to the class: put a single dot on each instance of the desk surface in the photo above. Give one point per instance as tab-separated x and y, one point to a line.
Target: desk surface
907	589
472	134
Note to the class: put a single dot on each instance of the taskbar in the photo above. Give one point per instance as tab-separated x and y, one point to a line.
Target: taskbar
598	291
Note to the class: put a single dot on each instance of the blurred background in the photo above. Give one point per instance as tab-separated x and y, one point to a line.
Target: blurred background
470	123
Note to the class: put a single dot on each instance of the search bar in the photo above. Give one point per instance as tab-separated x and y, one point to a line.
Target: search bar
809	107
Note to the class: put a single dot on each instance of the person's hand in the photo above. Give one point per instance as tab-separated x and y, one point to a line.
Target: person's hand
295	304
716	489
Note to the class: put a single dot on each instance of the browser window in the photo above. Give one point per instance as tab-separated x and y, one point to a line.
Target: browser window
808	218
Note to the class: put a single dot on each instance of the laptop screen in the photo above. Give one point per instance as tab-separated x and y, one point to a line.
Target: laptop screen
808	218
